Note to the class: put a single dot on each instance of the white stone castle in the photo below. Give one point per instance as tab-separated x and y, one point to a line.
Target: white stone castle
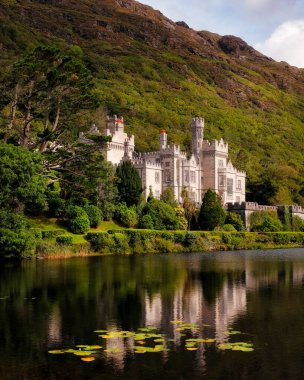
208	166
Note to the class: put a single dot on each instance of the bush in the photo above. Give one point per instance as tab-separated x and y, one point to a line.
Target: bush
50	234
269	224
64	240
16	238
235	220
99	241
37	233
126	216
146	222
163	216
121	243
297	224
228	227
78	220
107	210
94	215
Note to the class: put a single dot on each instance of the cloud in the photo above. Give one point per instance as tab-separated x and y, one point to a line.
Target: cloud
286	43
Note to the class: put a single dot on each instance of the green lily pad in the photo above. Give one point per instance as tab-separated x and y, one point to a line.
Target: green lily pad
55	352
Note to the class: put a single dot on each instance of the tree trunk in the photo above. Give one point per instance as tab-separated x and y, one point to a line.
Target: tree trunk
45	143
27	122
12	115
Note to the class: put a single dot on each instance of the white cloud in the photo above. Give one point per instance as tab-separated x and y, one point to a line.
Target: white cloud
286	43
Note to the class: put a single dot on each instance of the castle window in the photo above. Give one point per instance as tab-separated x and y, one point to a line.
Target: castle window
192	176
229	186
186	176
167	164
238	199
157	194
221	180
239	185
156	177
221	163
167	176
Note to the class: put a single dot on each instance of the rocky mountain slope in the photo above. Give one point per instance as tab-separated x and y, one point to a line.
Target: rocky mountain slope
159	74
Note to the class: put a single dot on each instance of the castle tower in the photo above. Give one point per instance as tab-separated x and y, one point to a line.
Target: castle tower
163	139
115	124
197	127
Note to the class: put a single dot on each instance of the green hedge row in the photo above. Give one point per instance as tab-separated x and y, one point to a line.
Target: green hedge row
140	241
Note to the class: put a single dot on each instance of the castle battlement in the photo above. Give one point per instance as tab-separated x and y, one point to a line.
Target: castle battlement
215	145
250	206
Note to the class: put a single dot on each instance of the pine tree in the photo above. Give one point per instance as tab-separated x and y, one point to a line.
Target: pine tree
211	214
129	184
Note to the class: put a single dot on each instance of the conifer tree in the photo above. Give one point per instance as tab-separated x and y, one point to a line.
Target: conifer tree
211	214
129	184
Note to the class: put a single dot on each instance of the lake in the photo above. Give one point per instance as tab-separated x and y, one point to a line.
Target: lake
226	315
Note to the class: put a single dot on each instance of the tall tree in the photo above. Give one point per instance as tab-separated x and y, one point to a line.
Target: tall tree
212	213
47	90
129	183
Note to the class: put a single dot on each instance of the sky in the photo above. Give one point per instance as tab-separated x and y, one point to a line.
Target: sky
274	27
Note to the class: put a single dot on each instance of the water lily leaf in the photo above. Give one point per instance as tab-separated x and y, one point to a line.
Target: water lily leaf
90	348
232	332
55	352
141	342
191	348
81	346
83	353
159	340
225	346
100	331
242	348
176	322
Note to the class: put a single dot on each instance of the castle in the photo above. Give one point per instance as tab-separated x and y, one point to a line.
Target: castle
208	166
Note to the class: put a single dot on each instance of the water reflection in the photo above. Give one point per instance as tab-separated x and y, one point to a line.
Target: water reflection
51	304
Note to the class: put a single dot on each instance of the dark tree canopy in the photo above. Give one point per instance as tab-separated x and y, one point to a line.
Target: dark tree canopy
211	214
129	184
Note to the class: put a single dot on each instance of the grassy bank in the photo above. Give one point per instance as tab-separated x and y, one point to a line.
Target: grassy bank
54	241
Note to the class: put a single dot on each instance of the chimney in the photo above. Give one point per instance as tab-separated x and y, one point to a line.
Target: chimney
163	139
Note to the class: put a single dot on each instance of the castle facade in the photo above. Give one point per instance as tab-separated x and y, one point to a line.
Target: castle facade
208	166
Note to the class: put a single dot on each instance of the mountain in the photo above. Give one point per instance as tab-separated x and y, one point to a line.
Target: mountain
158	74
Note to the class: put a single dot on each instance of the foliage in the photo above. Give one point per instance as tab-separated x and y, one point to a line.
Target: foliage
168	197
78	220
163	216
127	216
182	221
189	207
129	183
228	227
235	220
16	239
107	209
211	214
266	221
22	183
64	240
297	224
56	204
94	215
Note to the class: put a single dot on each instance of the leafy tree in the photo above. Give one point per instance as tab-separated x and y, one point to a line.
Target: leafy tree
94	215
162	215
48	91
182	221
168	197
269	224
129	183
22	179
189	207
211	214
16	239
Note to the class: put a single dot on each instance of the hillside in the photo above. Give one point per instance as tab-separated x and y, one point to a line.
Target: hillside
159	74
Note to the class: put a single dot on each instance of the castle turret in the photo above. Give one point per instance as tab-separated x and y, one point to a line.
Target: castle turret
115	124
163	139
197	126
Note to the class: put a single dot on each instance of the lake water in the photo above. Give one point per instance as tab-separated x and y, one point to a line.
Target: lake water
256	298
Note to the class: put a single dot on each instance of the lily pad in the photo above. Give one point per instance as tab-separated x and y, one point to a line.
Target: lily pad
55	352
88	359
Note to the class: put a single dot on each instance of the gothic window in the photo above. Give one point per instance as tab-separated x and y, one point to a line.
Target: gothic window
186	176
167	164
221	163
156	177
167	176
221	180
239	185
229	186
192	176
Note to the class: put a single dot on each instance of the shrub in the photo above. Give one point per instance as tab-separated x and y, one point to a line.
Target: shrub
37	233
297	224
269	224
64	240
235	220
190	239
121	243
78	220
228	227
94	215
49	234
107	210
163	216
146	222
126	216
99	241
211	214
